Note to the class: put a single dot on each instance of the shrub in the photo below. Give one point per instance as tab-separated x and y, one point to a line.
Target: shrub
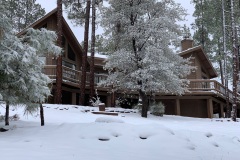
157	109
95	101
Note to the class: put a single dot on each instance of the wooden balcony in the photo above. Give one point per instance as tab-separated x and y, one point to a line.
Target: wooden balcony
196	86
71	76
205	86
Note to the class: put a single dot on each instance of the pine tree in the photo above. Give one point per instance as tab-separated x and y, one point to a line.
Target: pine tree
142	60
21	67
209	33
22	12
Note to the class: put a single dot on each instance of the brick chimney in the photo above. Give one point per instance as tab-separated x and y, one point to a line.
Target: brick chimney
186	44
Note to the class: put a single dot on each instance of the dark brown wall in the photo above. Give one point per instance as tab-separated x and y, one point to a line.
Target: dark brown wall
169	106
193	74
193	108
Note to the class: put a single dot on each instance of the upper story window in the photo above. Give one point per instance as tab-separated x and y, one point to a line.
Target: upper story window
71	54
63	41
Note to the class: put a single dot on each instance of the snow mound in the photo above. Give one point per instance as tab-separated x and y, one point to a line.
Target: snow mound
108	120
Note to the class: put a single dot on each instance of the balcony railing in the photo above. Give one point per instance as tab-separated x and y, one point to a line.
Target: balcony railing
70	75
196	85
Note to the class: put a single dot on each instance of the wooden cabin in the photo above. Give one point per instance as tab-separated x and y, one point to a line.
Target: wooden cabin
205	98
71	64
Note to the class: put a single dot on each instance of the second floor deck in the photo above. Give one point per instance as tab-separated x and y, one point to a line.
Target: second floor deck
196	86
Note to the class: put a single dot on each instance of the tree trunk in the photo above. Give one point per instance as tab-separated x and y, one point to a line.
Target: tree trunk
228	114
58	93
235	63
7	114
91	76
42	115
144	103
113	98
84	56
220	63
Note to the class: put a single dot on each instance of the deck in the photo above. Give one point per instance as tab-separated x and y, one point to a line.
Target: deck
196	87
70	76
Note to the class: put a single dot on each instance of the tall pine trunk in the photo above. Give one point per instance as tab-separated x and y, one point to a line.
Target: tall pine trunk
42	114
84	56
228	114
235	63
91	76
7	114
58	94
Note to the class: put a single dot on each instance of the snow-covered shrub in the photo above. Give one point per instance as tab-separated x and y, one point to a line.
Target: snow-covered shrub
95	101
15	117
157	109
2	118
138	106
121	101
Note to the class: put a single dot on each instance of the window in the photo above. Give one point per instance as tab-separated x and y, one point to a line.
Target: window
71	54
63	41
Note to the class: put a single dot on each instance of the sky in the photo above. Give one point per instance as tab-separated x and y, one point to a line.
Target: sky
51	4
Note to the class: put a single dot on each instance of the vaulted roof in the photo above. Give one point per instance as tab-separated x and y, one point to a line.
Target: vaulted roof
203	58
66	29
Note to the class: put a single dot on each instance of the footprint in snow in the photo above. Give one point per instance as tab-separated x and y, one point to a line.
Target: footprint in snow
115	134
143	137
191	147
236	140
103	138
170	131
208	135
188	140
215	144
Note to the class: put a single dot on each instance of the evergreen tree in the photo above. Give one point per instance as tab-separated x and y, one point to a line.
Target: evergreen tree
218	19
142	60
22	12
22	79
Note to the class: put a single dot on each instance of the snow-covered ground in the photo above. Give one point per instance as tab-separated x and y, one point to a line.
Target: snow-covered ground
73	133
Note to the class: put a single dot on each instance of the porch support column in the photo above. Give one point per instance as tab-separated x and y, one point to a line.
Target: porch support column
177	107
74	98
210	108
109	101
221	110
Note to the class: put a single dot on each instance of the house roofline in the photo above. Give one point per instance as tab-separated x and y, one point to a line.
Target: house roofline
65	24
204	58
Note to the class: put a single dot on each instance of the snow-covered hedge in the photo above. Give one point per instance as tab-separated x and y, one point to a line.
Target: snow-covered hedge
157	109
